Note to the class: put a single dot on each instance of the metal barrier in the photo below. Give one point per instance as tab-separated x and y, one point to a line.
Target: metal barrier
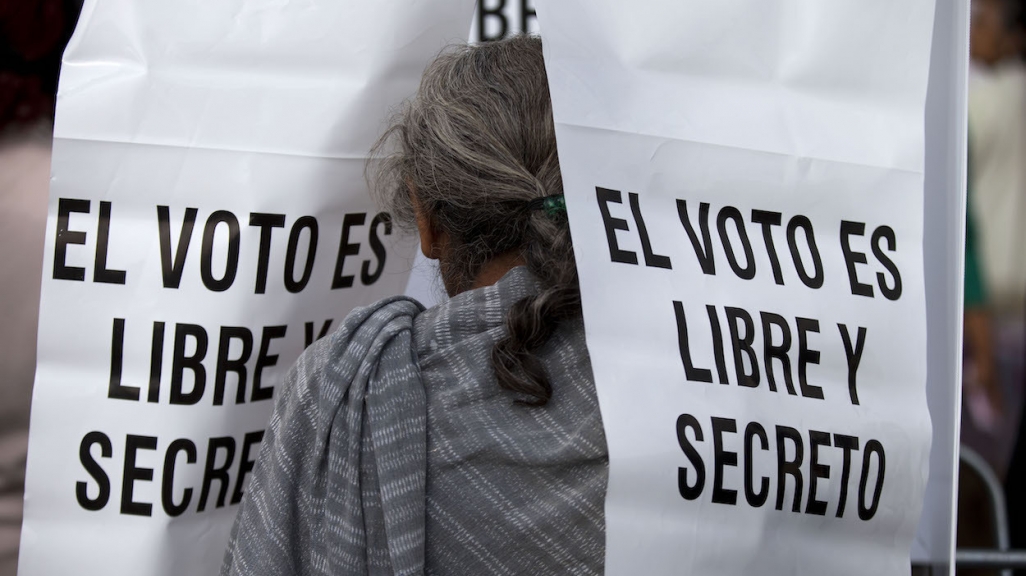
1002	558
975	558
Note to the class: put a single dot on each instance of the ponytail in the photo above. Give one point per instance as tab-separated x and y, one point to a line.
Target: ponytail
531	321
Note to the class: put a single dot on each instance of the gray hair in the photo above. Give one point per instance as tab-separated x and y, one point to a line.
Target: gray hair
476	145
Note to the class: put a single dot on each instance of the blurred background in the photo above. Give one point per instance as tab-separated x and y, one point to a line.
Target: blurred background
33	34
995	282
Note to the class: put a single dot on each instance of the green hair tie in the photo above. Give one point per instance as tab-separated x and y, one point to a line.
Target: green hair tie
552	205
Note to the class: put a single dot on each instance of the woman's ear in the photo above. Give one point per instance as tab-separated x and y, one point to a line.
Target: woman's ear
430	240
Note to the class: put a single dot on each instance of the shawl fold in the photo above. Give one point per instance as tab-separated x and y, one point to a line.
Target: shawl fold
339	487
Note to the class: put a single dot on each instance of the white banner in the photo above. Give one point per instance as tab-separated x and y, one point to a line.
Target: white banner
944	255
745	186
208	219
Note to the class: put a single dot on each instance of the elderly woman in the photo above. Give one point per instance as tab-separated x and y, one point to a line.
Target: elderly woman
464	439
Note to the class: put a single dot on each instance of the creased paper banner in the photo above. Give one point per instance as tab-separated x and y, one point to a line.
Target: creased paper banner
209	218
745	187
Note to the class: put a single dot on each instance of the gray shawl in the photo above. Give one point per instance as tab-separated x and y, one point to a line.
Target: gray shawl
392	450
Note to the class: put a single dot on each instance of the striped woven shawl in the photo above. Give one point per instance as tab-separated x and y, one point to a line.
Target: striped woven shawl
392	450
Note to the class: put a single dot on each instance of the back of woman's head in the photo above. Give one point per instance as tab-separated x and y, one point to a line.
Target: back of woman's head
472	149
